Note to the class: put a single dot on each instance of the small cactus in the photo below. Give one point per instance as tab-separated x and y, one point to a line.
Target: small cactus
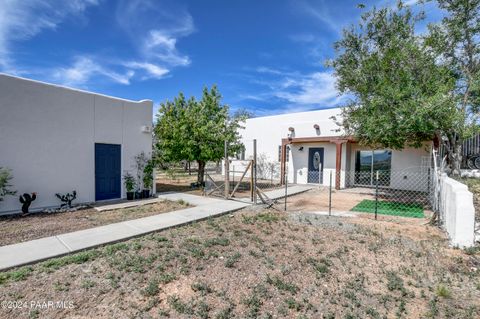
26	200
67	198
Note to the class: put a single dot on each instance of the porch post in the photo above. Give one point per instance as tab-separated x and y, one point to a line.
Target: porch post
338	164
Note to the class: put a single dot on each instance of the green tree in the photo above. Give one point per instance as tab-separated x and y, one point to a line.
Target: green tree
194	130
456	43
399	95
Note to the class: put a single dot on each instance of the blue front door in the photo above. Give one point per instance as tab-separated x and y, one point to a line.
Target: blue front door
107	171
315	165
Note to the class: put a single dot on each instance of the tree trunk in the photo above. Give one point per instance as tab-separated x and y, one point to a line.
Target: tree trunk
201	172
455	159
454	155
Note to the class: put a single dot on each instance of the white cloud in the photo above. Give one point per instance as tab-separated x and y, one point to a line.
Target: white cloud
315	88
155	27
21	20
84	68
153	71
320	12
273	71
161	46
298	91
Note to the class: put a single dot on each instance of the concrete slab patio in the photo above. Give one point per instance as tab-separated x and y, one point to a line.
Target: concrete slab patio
40	249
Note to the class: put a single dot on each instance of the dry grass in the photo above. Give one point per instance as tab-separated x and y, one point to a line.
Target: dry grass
260	264
17	229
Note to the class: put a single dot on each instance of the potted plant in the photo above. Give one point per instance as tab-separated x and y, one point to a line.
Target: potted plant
129	182
148	178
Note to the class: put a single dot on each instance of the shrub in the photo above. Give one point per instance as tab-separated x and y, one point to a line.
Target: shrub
230	262
152	288
443	291
282	285
140	164
5	186
148	174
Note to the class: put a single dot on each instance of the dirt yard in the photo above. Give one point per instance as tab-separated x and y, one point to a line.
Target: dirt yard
317	200
258	264
17	229
176	182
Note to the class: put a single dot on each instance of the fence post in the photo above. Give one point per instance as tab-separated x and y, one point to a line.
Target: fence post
286	190
376	195
285	178
330	196
251	181
255	171
227	172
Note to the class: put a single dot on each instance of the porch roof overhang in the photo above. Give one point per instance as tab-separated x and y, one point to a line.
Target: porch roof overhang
337	140
318	139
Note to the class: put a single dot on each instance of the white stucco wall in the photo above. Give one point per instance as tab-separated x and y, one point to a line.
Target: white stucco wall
299	173
269	130
48	135
457	212
407	172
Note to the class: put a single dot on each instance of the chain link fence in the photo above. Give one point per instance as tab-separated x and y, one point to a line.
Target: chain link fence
182	177
407	193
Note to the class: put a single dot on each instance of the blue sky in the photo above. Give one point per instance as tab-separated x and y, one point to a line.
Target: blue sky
266	56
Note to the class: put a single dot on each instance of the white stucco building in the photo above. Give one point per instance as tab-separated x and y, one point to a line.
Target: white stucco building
56	140
317	146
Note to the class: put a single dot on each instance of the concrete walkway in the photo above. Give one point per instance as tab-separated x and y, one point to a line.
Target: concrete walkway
40	249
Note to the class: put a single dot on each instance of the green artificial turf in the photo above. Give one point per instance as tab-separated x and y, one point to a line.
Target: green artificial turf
390	208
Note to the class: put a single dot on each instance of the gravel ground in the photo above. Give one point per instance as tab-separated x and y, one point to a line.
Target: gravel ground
17	229
259	264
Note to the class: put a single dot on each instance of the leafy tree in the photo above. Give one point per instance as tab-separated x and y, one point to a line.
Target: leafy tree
194	130
456	43
398	95
243	114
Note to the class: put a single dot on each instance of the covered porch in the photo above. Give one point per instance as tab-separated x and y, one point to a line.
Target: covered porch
315	159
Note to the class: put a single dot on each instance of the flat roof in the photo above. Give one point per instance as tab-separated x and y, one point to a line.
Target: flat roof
325	110
70	88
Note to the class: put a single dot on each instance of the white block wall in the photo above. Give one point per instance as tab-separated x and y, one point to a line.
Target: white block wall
48	135
457	212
